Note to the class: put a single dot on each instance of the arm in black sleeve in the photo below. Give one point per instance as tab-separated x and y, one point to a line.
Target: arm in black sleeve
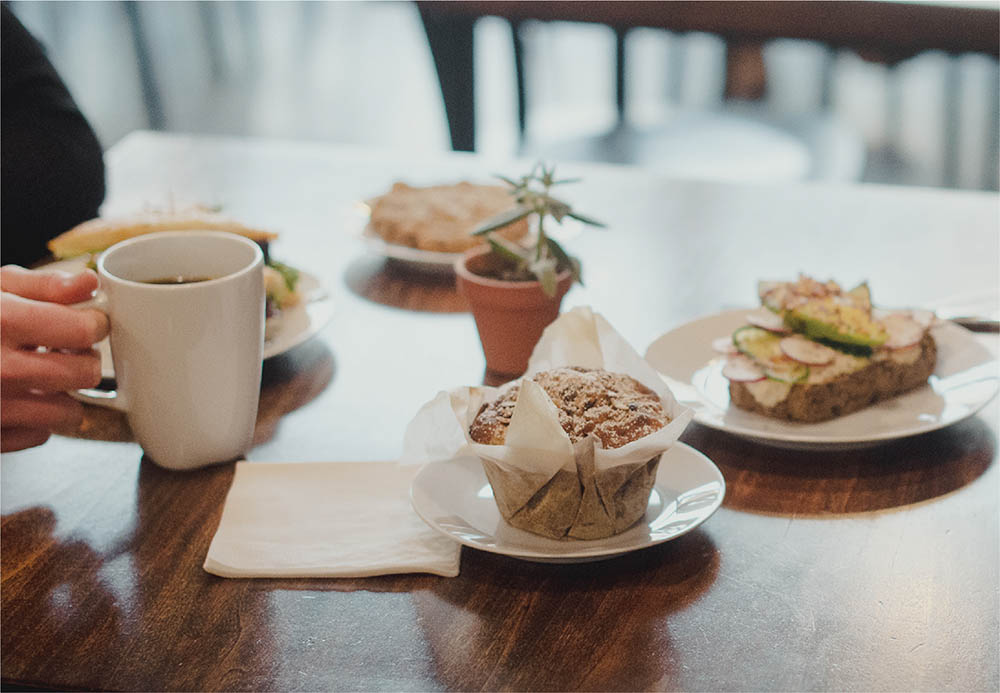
52	163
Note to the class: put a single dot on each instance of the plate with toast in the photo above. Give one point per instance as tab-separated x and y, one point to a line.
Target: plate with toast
427	228
297	305
828	370
291	327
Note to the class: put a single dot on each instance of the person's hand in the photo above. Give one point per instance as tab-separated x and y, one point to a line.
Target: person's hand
45	350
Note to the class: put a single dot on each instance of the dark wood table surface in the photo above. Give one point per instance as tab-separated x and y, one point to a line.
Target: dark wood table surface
866	569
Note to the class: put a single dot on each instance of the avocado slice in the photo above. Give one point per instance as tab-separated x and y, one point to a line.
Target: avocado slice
837	321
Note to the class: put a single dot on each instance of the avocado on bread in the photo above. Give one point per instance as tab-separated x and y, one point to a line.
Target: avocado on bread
825	352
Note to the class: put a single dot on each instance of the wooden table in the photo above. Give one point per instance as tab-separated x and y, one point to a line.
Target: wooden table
873	569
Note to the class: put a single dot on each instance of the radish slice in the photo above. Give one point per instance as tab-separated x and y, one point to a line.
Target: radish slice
924	318
903	331
765	287
724	345
806	351
766	320
741	369
774	298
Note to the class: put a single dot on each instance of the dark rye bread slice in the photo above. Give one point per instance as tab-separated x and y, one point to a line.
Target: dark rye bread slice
848	393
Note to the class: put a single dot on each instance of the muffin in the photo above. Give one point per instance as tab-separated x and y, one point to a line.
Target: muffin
441	218
595	408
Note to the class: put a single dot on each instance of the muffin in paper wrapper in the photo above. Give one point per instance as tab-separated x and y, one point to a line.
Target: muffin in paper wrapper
542	482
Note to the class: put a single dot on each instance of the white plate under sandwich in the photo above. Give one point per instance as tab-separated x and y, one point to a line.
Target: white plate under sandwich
454	498
429	261
298	323
965	379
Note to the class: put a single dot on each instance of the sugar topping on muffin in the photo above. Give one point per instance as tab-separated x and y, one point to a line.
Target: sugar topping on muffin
612	406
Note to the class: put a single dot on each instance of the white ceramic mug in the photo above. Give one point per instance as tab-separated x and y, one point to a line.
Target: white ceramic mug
187	357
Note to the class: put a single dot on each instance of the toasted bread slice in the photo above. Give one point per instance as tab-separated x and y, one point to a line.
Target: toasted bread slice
879	380
441	218
99	234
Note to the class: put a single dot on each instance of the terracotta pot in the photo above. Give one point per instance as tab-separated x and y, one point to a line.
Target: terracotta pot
510	316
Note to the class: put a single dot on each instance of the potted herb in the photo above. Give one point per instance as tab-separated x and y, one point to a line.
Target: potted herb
516	290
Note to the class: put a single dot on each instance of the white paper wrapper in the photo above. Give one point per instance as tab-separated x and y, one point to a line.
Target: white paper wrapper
537	447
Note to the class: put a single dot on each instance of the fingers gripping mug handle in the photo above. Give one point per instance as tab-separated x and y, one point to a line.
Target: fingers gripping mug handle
103	398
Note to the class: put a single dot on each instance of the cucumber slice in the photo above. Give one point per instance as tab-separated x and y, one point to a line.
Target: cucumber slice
787	372
765	349
757	343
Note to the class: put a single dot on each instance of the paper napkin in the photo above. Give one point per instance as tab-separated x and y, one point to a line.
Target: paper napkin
325	519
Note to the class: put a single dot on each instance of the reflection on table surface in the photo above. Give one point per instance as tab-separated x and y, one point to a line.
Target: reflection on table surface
849	569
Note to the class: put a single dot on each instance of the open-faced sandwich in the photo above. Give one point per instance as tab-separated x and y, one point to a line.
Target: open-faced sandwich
97	235
440	218
816	352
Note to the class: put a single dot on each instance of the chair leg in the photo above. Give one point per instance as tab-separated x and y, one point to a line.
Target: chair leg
676	59
991	163
746	77
952	115
451	42
211	31
147	76
522	94
620	34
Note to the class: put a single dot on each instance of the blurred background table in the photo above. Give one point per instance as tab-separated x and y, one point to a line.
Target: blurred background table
871	569
321	71
741	137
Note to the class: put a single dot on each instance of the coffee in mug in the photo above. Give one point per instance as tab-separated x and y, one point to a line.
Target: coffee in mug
174	281
187	352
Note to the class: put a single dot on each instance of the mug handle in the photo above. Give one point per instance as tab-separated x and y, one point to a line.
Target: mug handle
102	398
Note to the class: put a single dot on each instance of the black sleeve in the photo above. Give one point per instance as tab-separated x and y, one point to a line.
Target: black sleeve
52	164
